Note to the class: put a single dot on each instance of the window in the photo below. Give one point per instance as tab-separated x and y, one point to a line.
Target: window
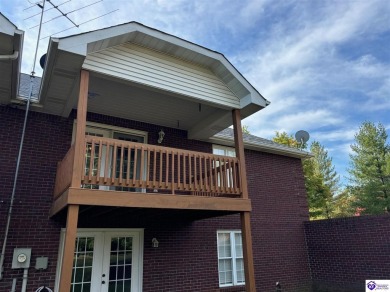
230	258
225	151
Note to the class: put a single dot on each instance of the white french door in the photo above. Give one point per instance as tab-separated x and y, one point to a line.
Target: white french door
107	261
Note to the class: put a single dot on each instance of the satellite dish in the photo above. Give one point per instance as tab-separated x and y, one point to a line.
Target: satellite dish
42	61
302	136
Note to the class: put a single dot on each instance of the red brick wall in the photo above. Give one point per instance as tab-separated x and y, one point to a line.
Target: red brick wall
46	142
347	251
186	259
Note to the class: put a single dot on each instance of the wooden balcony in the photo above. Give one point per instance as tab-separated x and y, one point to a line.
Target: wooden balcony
127	174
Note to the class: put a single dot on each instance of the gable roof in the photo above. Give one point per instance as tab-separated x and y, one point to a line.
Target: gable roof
97	40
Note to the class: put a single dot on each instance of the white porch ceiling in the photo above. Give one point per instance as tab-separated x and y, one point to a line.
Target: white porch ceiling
128	100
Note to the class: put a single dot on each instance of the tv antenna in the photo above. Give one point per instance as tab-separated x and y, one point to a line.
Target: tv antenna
62	13
302	137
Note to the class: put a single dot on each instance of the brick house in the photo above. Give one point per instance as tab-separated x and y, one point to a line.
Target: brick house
130	178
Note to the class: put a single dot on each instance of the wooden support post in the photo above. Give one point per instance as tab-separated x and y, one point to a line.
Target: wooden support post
245	216
68	253
73	210
239	146
79	143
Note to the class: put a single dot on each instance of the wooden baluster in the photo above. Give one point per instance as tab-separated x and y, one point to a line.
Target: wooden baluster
211	174
141	175
224	175
121	164
135	164
99	162
113	171
128	164
178	171
206	176
184	172
161	167
148	168
154	168
107	162
190	171
201	185
230	164
173	172
83	173
92	143
234	175
195	173
215	174
166	168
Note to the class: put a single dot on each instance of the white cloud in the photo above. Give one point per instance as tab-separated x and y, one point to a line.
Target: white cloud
298	54
336	135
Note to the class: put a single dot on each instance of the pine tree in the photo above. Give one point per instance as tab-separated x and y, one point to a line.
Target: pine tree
325	166
370	169
343	204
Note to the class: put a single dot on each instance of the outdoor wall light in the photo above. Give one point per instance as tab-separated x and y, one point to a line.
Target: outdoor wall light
161	135
154	242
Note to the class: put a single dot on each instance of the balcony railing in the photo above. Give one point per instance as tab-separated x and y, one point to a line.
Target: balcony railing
112	164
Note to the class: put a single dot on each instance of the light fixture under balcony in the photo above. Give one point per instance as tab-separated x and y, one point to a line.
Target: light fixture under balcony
161	135
154	242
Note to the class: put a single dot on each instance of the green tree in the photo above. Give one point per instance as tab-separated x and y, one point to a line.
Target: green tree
325	167
343	204
321	179
285	139
370	169
245	129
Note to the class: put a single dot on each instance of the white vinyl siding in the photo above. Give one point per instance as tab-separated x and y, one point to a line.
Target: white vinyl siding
148	67
230	258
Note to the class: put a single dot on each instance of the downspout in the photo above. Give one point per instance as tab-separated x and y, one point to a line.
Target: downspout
12	57
2	255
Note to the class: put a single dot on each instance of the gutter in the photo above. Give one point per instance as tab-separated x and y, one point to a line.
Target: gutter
12	57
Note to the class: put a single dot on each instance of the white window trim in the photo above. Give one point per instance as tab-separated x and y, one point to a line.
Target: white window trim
234	257
224	148
111	130
80	231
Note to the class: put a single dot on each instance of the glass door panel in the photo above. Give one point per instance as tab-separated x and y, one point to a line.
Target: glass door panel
82	264
120	264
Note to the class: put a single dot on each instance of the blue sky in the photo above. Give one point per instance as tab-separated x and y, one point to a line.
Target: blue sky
323	64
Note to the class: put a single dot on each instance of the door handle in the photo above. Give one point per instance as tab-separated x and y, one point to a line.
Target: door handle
103	282
103	275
